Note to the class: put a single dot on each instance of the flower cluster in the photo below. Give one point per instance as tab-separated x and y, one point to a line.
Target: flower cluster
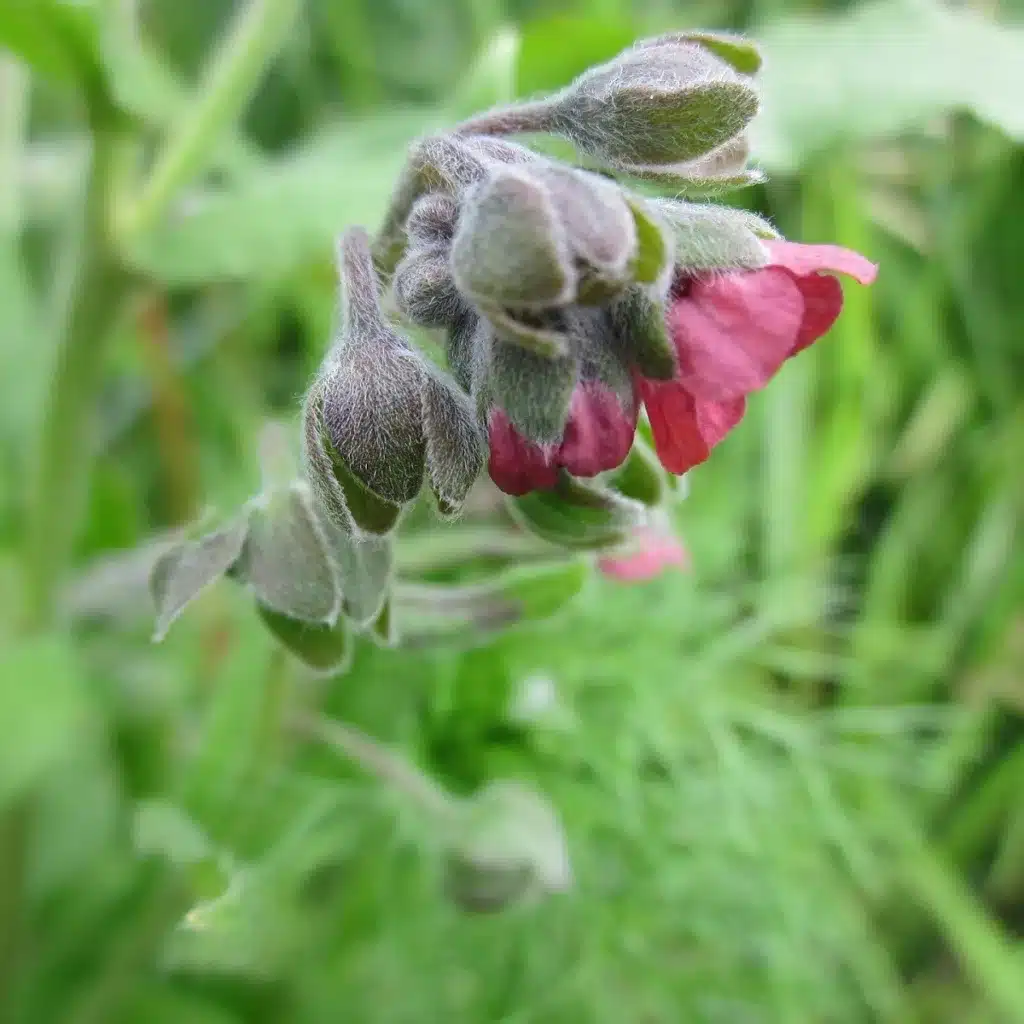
571	305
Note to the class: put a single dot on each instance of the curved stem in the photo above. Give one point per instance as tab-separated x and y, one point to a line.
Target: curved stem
519	119
375	759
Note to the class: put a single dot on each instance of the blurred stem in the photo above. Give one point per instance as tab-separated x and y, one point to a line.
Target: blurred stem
14	88
66	443
171	412
134	950
375	759
985	953
252	41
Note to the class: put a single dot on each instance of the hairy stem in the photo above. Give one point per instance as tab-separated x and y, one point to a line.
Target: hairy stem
519	119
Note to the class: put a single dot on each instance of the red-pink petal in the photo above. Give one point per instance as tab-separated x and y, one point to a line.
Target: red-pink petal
732	332
686	429
810	259
516	465
651	553
599	432
823	302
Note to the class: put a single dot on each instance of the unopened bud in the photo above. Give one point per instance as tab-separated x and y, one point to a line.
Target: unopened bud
654	106
740	53
508	847
456	450
511	248
533	390
432	220
711	237
638	320
424	289
284	562
365	447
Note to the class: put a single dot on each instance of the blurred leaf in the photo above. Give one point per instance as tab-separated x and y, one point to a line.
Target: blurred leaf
59	39
161	829
325	648
43	709
286	211
879	69
555	50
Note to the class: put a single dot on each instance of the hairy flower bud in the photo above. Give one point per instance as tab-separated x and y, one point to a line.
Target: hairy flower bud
741	54
711	237
533	390
511	248
655	105
456	451
365	446
508	846
638	323
424	289
432	220
284	562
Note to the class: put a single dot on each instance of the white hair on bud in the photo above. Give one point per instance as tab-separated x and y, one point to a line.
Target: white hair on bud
456	449
710	237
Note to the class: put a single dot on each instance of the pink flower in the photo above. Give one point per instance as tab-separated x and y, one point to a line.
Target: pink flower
598	436
732	332
651	552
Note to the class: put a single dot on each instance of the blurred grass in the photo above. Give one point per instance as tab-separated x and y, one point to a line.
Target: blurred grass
791	778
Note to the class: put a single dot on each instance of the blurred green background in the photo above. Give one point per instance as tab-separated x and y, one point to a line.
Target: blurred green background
792	778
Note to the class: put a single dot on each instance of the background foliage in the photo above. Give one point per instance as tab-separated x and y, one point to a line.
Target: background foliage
791	778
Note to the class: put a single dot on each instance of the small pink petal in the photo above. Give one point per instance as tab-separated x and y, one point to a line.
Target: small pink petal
823	302
517	466
599	432
810	259
652	553
732	332
686	429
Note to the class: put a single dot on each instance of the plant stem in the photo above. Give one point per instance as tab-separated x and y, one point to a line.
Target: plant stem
375	759
66	442
519	119
226	86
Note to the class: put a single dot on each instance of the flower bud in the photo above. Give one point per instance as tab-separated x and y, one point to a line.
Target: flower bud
655	106
533	390
365	447
741	54
508	846
284	562
432	220
456	451
711	237
511	248
638	320
424	289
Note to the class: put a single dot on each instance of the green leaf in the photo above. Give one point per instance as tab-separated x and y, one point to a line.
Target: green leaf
577	515
327	649
283	212
44	711
161	829
58	38
641	477
880	69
